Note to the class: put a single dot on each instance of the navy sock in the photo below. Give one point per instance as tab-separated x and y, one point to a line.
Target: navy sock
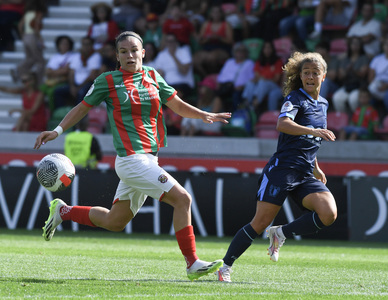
306	224
241	242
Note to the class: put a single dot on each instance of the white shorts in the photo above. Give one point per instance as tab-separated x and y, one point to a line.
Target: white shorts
141	176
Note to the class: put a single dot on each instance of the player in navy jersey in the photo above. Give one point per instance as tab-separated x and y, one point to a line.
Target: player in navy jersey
293	169
134	95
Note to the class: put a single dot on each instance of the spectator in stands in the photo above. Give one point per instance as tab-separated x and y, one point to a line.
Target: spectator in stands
84	68
216	41
58	67
266	82
159	8
300	22
234	75
108	56
173	121
151	52
103	29
330	85
175	64
364	122
332	12
378	76
352	73
207	102
33	113
11	12
274	12
195	11
153	32
178	25
81	147
29	29
368	29
129	11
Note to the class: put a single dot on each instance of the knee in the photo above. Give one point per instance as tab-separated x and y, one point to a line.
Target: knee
182	200
260	224
116	226
328	217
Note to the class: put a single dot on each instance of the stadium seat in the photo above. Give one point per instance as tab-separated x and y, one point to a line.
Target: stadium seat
338	31
265	127
283	47
338	46
254	46
97	119
57	116
336	121
382	133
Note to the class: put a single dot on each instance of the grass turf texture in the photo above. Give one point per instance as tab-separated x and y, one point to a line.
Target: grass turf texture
104	265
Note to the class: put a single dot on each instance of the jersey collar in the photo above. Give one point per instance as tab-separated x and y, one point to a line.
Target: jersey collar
308	96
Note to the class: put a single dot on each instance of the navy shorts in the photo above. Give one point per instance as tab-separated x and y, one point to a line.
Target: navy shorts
276	183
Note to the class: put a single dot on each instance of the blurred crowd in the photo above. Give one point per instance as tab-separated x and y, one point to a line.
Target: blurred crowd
220	55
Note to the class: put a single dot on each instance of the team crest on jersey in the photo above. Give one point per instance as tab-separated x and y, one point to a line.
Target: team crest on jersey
274	190
162	178
287	106
90	90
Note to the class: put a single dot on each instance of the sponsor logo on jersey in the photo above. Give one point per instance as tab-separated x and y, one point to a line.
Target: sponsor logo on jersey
119	85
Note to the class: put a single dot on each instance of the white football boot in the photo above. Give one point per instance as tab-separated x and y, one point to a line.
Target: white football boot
275	242
223	274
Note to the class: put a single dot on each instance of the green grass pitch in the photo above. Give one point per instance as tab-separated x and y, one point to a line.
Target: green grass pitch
104	265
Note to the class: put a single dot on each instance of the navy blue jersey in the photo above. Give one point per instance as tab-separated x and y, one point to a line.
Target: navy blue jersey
299	151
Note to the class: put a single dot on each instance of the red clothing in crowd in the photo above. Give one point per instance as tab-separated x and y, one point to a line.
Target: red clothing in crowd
181	28
38	120
365	116
269	71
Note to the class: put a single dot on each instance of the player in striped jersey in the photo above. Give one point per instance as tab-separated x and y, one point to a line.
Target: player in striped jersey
134	95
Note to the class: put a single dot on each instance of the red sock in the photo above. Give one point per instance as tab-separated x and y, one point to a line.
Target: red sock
186	242
78	214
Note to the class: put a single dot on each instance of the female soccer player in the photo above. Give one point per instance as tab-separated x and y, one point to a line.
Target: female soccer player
134	95
293	170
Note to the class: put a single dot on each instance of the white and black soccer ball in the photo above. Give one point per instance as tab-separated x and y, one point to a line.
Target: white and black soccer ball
55	172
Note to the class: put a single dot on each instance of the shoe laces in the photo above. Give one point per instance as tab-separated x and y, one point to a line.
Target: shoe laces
280	240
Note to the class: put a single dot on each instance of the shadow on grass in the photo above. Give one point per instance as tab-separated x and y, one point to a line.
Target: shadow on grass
66	281
100	233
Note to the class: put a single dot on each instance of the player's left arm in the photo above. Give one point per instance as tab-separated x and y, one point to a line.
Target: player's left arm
318	173
188	111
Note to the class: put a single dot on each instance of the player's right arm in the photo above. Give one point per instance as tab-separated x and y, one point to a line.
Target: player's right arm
288	126
72	118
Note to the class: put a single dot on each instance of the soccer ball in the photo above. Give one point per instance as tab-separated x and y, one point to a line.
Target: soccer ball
55	172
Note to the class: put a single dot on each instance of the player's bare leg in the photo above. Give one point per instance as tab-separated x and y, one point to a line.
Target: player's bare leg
114	219
180	200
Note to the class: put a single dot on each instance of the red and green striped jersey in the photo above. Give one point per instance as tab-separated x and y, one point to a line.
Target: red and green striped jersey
134	105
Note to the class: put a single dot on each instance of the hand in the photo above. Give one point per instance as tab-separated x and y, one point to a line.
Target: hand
318	174
326	134
217	117
44	137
